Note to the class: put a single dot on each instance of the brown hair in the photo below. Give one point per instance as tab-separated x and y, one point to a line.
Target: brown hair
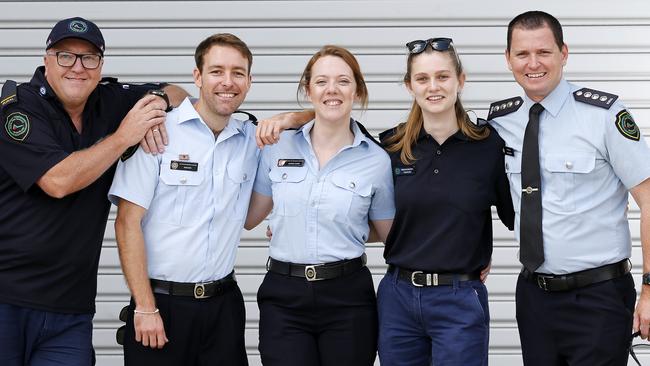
348	58
222	39
536	19
407	133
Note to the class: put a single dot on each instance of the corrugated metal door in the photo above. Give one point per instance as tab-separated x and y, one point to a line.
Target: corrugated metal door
155	40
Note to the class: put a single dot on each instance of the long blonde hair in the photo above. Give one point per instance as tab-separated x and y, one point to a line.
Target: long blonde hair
406	133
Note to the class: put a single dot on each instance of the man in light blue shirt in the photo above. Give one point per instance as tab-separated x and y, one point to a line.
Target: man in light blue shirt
179	220
572	155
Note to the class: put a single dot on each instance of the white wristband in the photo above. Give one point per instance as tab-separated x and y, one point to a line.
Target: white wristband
136	311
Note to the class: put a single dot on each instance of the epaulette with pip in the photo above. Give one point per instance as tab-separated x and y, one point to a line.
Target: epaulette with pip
9	94
503	107
595	97
251	117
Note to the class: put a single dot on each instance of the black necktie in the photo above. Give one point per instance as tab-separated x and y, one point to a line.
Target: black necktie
531	252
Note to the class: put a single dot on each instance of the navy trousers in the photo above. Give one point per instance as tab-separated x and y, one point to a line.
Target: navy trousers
42	338
588	326
441	325
321	323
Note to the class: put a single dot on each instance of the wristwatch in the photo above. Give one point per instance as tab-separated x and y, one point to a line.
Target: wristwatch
646	279
161	93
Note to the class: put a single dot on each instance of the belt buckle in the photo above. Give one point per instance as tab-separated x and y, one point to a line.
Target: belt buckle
310	274
541	282
431	279
199	291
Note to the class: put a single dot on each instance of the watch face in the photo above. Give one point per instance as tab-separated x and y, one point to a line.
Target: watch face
646	279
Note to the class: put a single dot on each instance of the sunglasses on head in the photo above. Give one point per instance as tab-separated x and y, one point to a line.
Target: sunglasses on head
438	44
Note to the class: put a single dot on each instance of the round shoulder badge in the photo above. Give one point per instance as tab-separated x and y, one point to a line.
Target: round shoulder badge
17	126
78	26
626	125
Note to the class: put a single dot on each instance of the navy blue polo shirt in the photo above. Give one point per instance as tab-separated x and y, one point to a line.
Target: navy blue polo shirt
443	221
49	248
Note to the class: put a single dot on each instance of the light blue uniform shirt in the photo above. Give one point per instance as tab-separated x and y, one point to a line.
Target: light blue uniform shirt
587	167
321	215
194	218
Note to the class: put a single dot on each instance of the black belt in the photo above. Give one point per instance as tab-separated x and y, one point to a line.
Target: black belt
424	279
578	279
316	272
196	290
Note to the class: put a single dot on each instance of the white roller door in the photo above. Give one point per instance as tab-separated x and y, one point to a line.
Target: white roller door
155	40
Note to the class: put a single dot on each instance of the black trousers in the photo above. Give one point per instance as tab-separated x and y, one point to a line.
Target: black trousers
321	323
588	326
201	332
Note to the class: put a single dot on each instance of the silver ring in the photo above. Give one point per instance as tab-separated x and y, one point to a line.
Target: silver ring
156	130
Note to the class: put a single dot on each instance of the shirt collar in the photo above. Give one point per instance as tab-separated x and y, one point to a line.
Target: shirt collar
458	135
554	101
187	112
359	137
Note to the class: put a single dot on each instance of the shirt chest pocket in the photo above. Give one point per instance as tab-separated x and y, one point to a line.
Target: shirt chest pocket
290	190
240	181
348	198
181	199
566	173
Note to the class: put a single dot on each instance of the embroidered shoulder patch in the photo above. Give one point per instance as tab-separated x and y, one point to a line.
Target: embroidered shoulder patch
17	126
129	152
503	107
626	126
595	97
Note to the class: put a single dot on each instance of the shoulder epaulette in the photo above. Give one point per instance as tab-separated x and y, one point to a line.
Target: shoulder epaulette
129	152
386	134
595	97
9	94
251	117
108	80
503	107
367	134
480	122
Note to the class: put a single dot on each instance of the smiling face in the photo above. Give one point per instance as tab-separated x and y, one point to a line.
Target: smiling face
434	83
332	89
73	84
223	81
536	61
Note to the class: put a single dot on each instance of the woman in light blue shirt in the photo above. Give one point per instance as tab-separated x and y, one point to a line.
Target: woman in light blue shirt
325	183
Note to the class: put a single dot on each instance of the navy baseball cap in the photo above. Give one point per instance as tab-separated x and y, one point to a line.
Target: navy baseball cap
76	28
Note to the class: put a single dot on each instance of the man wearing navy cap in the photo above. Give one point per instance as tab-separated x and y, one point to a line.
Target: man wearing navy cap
62	134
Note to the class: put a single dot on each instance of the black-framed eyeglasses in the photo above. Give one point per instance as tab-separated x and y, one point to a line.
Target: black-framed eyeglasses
89	61
438	44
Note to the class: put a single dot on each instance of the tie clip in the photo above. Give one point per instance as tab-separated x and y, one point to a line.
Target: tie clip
530	190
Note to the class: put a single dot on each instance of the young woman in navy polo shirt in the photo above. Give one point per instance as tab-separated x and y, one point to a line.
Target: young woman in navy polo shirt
448	172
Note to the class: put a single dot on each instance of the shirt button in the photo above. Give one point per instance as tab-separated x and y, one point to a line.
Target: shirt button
313	203
435	171
183	180
569	165
352	185
284	175
438	152
245	176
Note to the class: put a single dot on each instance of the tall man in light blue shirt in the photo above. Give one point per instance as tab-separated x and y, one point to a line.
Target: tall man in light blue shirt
180	215
575	295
